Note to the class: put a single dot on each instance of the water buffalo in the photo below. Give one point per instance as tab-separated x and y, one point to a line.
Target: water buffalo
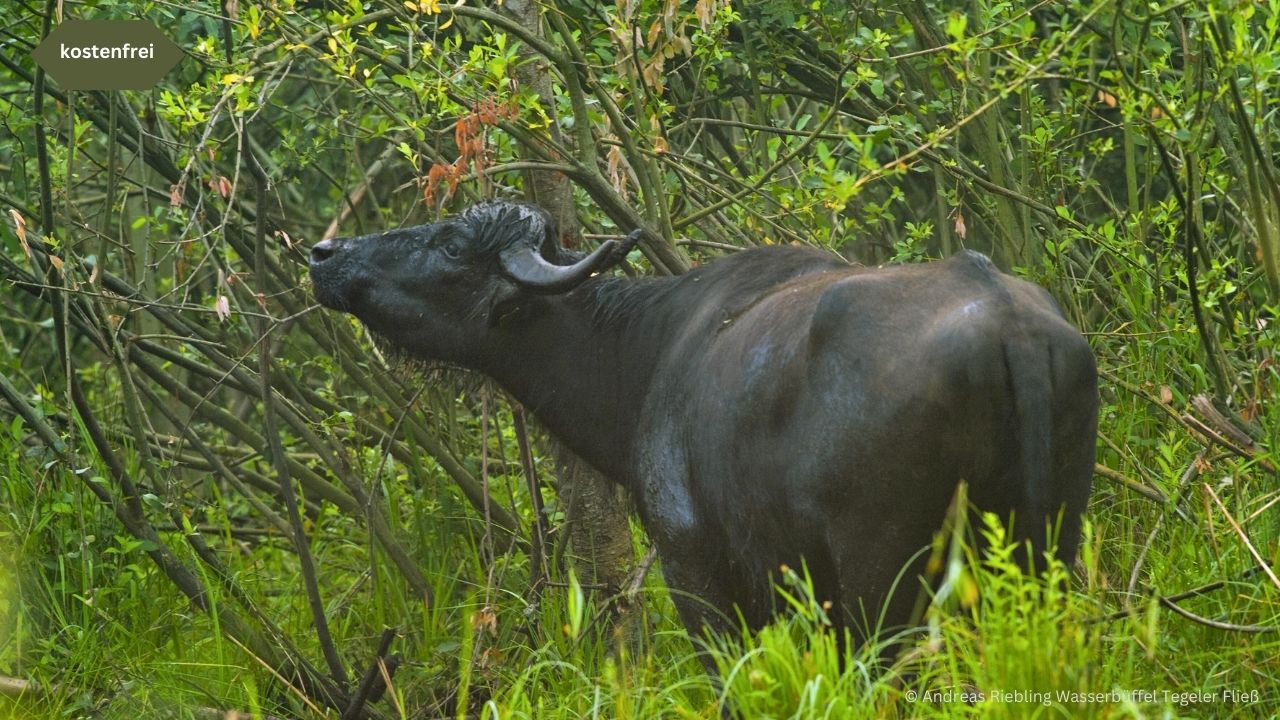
775	405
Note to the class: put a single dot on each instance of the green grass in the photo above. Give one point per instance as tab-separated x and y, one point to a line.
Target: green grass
86	615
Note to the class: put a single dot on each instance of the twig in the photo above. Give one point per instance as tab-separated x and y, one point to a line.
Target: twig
1213	436
19	689
1244	538
537	554
1139	392
1176	597
371	676
350	200
305	562
385	668
637	578
1142	489
710	244
1216	623
1193	469
1223	432
1204	404
289	683
236	532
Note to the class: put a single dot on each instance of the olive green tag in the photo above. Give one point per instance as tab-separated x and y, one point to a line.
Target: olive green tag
106	55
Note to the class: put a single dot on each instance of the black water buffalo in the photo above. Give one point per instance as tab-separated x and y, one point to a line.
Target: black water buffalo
775	405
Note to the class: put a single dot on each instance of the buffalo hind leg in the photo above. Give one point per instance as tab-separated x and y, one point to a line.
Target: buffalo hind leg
881	590
703	608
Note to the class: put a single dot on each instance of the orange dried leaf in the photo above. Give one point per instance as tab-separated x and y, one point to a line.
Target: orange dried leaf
705	10
20	228
1250	411
652	36
485	619
19	224
491	657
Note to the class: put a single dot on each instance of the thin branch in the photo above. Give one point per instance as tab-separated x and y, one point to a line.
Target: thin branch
305	562
1120	479
1216	624
1244	537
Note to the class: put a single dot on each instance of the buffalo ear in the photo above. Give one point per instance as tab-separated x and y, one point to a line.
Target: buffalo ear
549	244
505	303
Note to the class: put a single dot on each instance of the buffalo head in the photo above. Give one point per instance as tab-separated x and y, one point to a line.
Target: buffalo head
434	289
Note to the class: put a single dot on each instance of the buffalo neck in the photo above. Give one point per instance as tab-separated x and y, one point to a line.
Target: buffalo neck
583	363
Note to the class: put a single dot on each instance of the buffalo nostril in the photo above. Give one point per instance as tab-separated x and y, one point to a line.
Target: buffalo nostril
322	251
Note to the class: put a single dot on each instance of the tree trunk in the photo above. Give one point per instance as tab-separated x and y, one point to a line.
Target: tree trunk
599	530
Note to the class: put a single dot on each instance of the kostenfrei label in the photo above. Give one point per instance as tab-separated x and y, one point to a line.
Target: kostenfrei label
106	55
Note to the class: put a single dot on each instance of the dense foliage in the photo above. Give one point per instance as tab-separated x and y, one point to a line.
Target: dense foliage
215	497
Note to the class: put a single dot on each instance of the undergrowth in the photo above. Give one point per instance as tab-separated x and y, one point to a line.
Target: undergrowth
106	637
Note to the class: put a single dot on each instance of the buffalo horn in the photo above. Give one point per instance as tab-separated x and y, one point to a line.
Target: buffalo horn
526	266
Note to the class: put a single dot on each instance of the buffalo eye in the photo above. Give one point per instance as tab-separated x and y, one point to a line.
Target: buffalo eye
451	250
